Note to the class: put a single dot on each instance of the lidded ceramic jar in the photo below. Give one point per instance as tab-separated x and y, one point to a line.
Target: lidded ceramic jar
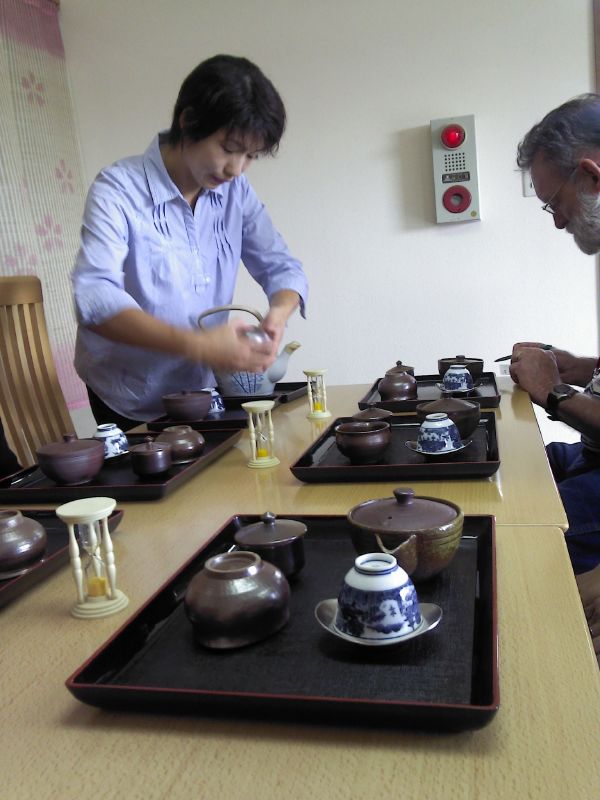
114	440
474	365
422	533
278	541
464	415
71	461
22	541
237	599
151	458
193	405
377	600
186	443
397	386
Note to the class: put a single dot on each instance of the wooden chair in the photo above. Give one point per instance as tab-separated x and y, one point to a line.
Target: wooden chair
32	405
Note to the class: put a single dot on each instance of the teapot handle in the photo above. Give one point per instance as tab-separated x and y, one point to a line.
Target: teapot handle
406	553
219	309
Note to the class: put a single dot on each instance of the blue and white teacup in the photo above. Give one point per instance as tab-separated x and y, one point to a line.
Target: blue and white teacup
377	600
438	434
217	406
457	378
115	441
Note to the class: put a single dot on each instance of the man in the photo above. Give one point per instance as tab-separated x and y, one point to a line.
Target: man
563	154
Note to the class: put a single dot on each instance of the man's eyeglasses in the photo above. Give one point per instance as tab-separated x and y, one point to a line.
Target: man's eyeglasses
549	206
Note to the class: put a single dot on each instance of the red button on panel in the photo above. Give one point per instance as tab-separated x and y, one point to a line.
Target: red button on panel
453	136
456	199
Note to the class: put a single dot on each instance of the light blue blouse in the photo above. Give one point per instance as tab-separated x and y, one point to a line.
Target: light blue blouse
142	246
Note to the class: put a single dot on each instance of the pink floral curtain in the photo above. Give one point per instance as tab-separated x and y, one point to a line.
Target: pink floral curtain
41	191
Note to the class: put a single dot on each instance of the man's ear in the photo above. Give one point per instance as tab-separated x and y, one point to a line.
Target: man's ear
591	170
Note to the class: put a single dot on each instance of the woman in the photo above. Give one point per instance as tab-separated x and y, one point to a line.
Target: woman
162	237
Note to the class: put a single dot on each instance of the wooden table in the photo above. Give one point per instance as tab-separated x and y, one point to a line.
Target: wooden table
541	744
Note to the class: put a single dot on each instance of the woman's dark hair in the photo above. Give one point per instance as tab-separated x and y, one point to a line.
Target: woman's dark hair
565	134
232	93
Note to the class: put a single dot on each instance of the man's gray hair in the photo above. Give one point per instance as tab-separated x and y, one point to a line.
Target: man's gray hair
565	134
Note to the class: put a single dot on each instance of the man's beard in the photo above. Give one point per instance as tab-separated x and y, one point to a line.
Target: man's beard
585	224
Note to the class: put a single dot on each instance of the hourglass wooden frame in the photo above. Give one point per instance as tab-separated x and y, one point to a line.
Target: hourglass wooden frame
262	434
97	594
317	394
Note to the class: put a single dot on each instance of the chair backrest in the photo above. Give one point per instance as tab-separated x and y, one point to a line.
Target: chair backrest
32	405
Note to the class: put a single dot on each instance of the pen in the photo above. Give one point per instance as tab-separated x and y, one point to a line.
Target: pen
508	358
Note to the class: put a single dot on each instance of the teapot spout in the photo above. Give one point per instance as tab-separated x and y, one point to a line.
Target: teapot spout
277	369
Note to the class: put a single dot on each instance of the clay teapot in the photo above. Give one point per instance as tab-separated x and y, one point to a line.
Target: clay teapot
251	384
397	385
22	541
422	533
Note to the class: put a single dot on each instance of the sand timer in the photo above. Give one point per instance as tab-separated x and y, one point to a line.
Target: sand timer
262	435
317	394
92	557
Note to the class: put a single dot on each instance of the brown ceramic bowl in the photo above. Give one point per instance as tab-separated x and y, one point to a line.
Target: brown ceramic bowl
186	443
22	541
464	415
363	442
423	533
187	405
278	541
71	461
373	414
151	458
237	599
474	365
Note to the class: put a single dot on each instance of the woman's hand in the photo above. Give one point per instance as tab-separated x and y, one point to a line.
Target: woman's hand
226	347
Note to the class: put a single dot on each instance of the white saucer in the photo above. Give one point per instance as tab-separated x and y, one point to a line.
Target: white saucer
416	449
326	611
461	392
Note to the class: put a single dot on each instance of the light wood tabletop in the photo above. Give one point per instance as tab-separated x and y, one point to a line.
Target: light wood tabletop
542	743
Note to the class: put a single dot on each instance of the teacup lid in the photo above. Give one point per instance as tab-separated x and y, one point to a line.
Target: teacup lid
186	394
270	531
446	404
403	513
70	446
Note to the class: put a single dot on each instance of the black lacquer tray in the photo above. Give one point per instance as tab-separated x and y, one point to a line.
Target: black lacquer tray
230	418
116	478
485	393
322	462
57	553
283	393
446	679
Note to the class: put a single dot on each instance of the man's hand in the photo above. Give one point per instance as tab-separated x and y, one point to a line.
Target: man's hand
573	369
536	371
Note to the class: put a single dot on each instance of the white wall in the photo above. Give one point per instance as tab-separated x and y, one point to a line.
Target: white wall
351	188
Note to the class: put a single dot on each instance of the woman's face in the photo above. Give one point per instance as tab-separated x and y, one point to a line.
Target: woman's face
219	158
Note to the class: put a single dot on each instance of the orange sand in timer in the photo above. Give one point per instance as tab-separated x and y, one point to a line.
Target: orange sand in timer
96	586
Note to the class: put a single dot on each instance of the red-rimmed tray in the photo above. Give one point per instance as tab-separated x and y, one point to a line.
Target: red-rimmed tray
446	679
57	553
322	462
485	394
116	478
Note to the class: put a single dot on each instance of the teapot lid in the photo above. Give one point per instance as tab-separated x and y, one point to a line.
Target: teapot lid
400	367
460	360
270	530
403	513
149	446
257	335
70	446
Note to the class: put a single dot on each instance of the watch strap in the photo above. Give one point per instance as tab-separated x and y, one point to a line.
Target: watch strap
560	392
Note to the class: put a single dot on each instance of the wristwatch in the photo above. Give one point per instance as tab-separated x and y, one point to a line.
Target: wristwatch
560	392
